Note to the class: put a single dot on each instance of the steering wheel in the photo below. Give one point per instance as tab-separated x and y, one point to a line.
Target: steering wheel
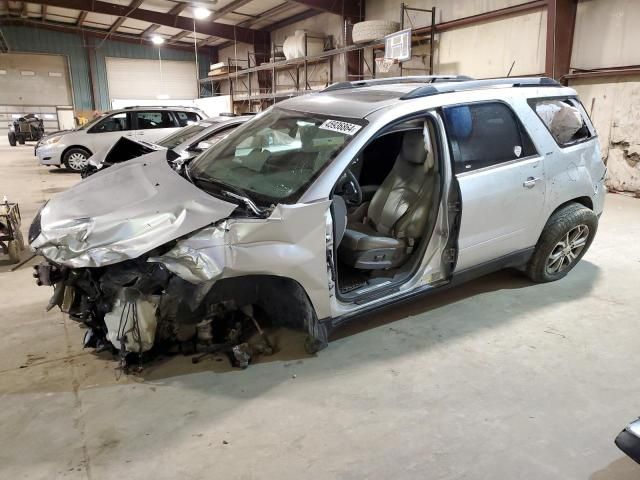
349	189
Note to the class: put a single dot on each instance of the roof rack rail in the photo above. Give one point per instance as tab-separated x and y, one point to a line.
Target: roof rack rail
395	80
428	90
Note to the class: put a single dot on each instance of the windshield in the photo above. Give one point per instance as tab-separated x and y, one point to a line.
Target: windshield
182	135
275	156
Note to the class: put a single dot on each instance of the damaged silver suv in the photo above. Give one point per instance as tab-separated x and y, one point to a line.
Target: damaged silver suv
324	207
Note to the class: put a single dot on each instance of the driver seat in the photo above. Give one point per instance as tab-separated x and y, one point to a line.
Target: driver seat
397	215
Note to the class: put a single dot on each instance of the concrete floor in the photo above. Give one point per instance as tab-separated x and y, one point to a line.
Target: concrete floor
497	379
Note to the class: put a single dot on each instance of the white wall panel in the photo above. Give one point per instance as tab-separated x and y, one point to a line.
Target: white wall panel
606	34
129	78
488	49
614	106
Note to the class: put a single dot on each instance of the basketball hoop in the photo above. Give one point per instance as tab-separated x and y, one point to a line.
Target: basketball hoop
383	64
397	48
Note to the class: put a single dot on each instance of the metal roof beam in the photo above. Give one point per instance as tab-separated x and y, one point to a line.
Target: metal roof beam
150	29
178	36
230	32
345	8
229	8
118	23
89	32
81	18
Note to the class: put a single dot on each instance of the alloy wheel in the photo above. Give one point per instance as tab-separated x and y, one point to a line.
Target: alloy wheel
77	161
567	250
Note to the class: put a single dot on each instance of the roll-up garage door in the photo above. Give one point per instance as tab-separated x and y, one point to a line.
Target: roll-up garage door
143	79
34	83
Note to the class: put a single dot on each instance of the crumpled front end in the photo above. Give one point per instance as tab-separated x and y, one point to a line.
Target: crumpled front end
167	266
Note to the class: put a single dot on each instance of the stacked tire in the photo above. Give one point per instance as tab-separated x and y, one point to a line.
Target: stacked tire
372	30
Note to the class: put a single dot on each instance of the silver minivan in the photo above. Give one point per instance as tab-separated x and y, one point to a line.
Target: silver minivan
325	207
187	143
73	148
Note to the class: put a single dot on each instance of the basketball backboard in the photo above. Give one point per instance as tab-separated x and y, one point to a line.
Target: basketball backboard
398	45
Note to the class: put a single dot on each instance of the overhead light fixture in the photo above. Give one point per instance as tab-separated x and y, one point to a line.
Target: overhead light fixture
157	40
201	13
162	96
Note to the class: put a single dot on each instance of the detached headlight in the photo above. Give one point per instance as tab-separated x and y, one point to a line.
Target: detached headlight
52	140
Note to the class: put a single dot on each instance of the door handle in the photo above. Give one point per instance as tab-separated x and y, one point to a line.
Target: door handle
530	182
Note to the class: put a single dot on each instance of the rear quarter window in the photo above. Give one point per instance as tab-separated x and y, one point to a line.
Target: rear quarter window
154	119
564	120
187	118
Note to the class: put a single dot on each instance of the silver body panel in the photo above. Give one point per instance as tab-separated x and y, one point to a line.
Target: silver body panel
499	214
123	212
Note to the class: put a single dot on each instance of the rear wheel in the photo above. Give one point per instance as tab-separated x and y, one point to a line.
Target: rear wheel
12	139
75	159
20	139
564	241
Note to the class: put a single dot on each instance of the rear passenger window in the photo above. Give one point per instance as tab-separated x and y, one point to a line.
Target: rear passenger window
563	119
155	119
485	134
187	118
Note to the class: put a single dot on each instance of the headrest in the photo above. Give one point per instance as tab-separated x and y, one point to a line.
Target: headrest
459	121
259	141
307	135
413	149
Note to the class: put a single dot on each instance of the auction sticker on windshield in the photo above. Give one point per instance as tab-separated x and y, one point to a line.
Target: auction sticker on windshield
341	127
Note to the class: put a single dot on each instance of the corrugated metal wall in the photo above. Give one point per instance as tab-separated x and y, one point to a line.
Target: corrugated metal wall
28	39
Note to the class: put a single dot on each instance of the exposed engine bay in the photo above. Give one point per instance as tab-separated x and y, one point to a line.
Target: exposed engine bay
137	309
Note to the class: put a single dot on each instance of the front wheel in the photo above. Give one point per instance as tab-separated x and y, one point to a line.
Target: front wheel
20	139
564	241
76	159
12	139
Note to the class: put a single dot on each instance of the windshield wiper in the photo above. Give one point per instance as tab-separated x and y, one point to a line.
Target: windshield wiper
232	191
247	201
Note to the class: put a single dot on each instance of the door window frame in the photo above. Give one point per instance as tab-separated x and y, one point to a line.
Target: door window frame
224	128
520	124
431	115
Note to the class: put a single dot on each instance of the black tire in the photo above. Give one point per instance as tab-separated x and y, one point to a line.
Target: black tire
14	251
70	159
20	139
19	240
564	236
12	139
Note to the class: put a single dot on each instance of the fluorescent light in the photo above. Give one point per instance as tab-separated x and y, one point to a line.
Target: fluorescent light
157	40
201	13
162	97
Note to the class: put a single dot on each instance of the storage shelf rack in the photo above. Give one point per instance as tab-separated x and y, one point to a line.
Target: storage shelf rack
301	70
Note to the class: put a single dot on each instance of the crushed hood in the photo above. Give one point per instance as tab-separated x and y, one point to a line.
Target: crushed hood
124	212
